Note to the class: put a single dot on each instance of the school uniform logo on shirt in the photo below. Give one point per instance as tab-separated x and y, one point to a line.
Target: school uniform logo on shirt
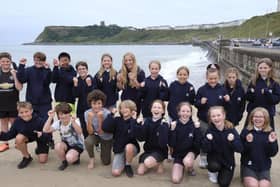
11	78
250	163
128	131
270	90
162	84
190	135
220	97
157	133
187	94
238	98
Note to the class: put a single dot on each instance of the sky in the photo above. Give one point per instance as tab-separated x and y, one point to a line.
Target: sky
22	21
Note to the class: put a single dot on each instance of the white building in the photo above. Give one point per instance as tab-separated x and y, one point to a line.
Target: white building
161	27
186	27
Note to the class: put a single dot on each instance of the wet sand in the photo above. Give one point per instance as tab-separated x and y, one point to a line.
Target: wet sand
48	175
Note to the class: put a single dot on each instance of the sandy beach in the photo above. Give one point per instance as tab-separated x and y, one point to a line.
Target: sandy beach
48	175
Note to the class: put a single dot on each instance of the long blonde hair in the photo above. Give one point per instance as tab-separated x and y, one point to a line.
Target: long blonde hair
228	125
270	77
266	126
112	73
124	70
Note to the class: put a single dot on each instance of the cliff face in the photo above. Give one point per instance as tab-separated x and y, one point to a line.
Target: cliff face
256	27
77	34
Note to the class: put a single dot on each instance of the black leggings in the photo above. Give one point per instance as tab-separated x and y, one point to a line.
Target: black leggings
225	175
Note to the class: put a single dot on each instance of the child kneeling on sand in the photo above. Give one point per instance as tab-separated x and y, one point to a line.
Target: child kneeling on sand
125	145
27	128
94	118
72	142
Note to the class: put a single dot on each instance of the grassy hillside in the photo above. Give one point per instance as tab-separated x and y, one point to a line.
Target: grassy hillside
256	27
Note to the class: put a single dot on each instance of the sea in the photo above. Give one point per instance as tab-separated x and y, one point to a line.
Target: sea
170	56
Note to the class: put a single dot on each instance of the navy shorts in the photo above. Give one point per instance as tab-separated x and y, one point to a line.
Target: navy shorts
77	148
42	148
259	175
157	156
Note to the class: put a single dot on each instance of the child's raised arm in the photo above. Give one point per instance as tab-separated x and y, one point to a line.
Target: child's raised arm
18	85
272	145
100	121
21	73
76	126
109	124
47	127
89	118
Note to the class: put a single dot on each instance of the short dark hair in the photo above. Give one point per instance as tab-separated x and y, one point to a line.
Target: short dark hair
63	107
64	54
81	63
5	55
96	95
41	56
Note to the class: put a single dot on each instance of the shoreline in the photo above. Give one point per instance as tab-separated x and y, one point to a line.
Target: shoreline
107	44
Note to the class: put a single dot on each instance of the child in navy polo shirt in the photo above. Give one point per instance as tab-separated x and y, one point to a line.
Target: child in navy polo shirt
236	106
106	81
28	128
220	142
263	90
38	79
185	138
83	84
125	145
62	76
154	131
260	144
210	94
154	87
180	90
130	79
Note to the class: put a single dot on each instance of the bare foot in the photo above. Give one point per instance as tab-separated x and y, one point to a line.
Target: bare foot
91	163
141	170
160	169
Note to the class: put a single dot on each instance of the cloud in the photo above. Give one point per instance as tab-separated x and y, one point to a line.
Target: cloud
28	18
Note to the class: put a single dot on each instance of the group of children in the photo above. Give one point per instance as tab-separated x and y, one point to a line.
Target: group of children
219	106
